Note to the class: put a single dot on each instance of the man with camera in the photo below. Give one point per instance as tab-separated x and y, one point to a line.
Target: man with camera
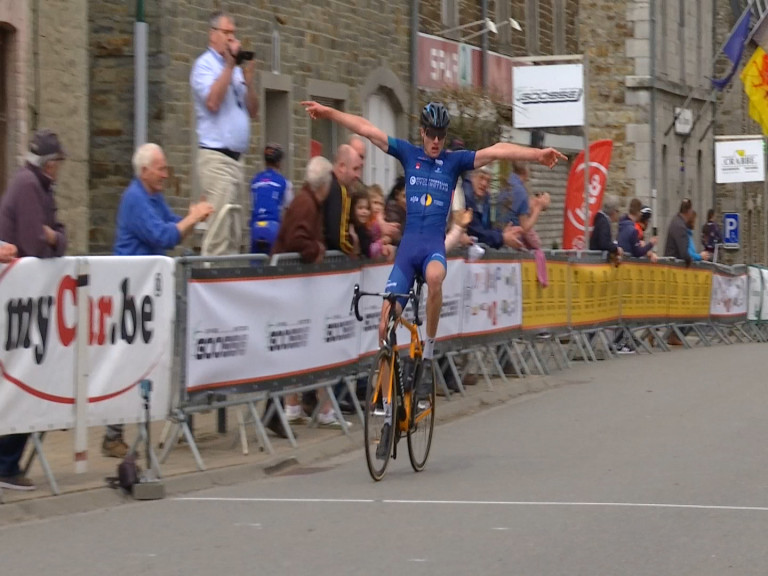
225	102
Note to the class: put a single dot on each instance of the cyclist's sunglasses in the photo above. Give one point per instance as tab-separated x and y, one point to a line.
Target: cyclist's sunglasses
433	133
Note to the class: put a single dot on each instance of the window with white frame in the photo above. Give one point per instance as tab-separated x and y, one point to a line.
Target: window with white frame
380	168
326	135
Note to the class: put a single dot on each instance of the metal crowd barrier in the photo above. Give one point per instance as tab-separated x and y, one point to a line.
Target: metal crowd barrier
587	306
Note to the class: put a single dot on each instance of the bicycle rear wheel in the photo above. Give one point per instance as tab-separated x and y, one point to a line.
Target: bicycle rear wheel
380	405
422	423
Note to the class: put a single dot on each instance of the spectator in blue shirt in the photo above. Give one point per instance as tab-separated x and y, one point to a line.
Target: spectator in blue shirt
225	102
477	199
514	205
146	226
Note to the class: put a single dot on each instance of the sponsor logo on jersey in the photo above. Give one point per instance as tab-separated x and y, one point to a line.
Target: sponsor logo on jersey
426	200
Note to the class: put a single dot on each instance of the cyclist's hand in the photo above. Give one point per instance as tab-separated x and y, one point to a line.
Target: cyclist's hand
464	219
316	111
549	157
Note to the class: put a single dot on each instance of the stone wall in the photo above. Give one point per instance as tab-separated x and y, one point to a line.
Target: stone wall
62	93
15	19
342	43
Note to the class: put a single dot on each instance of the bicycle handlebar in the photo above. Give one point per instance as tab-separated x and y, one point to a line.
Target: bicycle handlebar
391	297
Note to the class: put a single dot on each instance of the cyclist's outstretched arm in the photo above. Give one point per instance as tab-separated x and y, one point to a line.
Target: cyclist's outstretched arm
356	124
508	151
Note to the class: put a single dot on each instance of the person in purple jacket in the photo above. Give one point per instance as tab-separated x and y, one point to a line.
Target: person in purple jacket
28	222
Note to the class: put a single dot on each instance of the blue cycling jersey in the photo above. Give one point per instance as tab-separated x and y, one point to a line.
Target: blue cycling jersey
267	195
429	184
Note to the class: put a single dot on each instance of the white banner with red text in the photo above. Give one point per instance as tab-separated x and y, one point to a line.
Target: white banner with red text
131	312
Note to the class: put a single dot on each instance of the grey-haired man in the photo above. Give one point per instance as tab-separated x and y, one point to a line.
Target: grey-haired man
28	221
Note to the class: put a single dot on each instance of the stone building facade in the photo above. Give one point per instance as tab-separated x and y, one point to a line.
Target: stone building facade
44	59
68	64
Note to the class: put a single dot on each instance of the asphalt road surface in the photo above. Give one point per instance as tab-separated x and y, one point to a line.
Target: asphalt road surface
647	465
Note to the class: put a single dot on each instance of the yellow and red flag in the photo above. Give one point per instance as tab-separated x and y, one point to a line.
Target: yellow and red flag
755	80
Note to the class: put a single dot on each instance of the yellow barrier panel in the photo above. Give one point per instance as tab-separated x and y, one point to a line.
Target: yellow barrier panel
643	291
594	294
545	307
689	292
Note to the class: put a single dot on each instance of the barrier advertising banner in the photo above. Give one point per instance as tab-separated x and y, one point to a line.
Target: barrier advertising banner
250	330
729	296
757	306
37	357
493	299
129	338
574	219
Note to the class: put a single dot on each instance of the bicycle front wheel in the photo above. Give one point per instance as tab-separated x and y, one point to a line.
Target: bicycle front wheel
380	405
422	422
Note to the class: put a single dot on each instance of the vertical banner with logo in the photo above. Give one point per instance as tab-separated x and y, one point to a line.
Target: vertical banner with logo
244	331
575	220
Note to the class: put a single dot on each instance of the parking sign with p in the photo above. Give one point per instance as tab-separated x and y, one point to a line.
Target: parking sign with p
731	230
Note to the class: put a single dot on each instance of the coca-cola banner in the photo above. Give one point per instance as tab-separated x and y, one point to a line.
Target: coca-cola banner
574	224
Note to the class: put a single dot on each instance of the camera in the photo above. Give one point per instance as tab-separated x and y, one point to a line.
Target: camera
242	56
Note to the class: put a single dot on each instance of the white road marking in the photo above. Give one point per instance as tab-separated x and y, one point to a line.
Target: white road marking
479	503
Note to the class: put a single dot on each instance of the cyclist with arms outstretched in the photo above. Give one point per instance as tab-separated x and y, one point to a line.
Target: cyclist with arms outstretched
430	178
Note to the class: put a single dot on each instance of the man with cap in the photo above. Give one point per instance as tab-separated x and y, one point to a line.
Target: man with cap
271	194
28	221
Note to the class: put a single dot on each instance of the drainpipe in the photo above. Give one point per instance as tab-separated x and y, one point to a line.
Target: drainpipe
414	64
36	63
484	46
654	192
140	33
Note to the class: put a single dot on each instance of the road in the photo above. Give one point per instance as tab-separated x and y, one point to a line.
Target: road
646	465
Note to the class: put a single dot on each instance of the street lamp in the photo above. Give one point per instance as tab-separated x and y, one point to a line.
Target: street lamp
488	26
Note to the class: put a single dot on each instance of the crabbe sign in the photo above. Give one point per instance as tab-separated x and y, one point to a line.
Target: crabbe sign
739	161
546	96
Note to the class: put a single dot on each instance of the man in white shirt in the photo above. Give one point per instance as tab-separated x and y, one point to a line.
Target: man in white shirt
225	103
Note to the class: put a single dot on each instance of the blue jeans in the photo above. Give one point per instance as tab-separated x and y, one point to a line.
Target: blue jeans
11	450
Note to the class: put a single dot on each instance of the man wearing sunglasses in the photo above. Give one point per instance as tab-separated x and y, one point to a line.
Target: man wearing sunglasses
430	179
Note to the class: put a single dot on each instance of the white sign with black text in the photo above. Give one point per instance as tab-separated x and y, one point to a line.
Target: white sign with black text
739	161
548	96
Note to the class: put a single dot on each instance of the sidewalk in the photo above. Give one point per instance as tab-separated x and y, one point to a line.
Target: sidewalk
222	454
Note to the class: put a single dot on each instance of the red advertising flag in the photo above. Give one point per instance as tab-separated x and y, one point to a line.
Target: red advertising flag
599	161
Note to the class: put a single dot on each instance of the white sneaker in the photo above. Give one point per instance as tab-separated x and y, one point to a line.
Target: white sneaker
329	420
295	414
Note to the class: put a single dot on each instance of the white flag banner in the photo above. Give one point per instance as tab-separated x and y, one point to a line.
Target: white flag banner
493	297
242	331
